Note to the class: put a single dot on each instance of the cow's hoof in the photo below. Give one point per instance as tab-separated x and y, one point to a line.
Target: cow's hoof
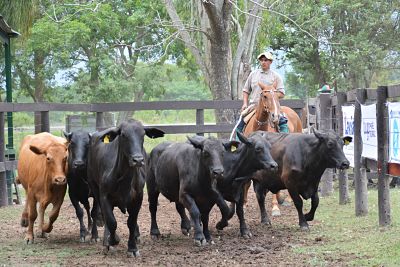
185	232
246	234
200	243
276	213
108	250
266	222
29	240
286	203
94	240
82	239
133	254
155	237
42	234
221	225
304	228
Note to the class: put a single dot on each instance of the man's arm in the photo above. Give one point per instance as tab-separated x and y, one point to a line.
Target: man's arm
245	100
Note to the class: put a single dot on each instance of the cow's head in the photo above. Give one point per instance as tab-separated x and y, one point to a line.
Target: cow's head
131	137
212	151
78	147
259	151
56	160
332	148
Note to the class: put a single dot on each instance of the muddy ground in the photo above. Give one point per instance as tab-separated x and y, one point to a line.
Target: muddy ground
268	246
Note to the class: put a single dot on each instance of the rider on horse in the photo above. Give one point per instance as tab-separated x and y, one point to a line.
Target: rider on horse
252	90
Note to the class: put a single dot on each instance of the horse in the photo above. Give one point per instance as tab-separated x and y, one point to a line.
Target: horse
266	118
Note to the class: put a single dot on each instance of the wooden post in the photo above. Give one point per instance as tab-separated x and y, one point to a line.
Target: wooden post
44	115
38	121
325	123
200	119
360	176
344	197
3	180
99	121
383	178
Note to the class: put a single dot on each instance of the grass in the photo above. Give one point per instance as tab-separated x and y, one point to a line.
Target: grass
358	240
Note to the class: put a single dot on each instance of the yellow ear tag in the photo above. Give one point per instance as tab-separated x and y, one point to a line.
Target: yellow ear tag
106	139
233	148
346	142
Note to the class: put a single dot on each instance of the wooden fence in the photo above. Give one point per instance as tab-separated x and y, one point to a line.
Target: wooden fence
198	127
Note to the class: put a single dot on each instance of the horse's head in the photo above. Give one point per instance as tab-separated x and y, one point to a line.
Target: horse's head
269	99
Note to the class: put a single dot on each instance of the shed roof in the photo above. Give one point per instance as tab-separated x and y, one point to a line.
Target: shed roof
4	28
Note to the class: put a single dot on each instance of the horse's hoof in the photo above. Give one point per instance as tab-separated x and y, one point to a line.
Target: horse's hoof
133	254
29	241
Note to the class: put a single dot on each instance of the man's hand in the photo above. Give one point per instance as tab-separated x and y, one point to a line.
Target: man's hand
244	106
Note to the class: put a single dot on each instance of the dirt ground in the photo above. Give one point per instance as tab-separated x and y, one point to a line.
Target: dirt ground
268	246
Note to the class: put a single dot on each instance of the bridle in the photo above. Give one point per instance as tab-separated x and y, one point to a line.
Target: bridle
273	117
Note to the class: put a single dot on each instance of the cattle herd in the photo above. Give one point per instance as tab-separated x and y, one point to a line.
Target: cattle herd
112	167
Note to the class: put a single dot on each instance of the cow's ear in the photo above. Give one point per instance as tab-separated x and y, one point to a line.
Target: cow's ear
36	150
231	145
67	135
153	132
110	134
243	138
347	140
197	141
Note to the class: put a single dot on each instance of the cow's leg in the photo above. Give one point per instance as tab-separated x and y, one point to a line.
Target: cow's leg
25	213
53	216
298	202
95	212
260	194
185	222
153	202
275	208
246	188
314	204
244	230
32	215
134	234
223	207
110	224
86	205
205	214
189	203
79	215
42	208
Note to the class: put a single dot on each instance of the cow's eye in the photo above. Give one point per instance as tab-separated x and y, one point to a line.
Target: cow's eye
330	144
258	149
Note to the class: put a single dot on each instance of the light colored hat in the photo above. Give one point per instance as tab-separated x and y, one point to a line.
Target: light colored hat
268	55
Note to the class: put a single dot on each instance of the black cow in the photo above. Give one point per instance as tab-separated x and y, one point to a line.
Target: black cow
116	175
302	159
252	154
187	174
78	188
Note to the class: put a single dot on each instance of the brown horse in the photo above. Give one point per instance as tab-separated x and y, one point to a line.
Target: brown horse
266	118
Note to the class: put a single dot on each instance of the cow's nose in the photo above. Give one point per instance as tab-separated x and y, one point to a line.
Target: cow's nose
78	164
136	161
60	180
273	166
217	172
345	165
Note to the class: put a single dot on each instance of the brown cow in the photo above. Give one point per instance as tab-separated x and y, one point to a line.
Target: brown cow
42	167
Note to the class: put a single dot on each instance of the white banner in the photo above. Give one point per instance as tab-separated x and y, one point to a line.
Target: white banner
394	130
348	130
368	132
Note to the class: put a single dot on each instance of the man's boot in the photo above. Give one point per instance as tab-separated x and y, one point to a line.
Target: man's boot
283	124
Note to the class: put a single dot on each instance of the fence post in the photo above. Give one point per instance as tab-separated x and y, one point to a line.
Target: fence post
342	177
99	121
383	179
44	116
325	123
360	176
200	119
3	181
